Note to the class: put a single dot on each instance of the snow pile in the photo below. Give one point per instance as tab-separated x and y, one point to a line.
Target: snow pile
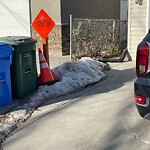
10	121
72	76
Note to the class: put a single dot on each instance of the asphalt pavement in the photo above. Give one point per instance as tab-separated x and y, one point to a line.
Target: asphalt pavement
102	116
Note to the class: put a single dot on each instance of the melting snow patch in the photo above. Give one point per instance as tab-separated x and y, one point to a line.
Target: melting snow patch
73	76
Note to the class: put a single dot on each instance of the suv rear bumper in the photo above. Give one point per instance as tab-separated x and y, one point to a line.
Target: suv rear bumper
141	88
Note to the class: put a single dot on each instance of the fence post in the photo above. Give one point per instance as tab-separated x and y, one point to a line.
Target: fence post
114	25
70	36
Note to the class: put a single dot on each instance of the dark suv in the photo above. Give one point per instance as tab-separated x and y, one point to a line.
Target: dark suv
142	82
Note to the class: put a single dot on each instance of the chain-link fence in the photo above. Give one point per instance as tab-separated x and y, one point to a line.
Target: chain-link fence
98	38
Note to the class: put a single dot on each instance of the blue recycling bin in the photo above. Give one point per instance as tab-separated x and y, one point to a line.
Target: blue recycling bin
6	53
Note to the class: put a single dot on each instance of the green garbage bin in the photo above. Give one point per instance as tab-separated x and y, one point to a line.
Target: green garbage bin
23	68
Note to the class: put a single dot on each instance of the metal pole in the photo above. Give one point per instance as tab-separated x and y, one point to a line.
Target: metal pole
45	50
70	36
30	13
114	25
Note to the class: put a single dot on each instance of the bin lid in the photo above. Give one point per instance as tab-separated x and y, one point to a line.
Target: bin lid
5	50
17	40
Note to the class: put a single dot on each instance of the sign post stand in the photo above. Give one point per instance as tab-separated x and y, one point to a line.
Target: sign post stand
45	50
43	24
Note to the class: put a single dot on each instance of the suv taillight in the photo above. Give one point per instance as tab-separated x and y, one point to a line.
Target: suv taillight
142	58
141	100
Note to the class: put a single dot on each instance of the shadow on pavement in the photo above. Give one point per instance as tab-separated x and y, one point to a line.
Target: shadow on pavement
114	80
126	127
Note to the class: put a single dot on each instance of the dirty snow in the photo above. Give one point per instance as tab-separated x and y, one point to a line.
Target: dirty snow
73	76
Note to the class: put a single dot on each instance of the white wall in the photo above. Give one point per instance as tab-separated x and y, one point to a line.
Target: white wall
14	18
137	25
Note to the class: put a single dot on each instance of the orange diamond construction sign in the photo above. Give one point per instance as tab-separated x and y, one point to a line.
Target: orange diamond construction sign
43	24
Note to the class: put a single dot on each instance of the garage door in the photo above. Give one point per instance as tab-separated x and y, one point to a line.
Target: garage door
14	18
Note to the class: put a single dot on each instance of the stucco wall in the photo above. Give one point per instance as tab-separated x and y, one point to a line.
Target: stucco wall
98	9
52	7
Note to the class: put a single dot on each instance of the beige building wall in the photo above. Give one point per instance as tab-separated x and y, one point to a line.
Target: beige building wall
52	7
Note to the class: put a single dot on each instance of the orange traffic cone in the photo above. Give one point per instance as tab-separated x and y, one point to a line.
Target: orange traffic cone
47	77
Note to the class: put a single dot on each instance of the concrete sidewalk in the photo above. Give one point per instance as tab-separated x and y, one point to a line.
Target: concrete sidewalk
55	60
